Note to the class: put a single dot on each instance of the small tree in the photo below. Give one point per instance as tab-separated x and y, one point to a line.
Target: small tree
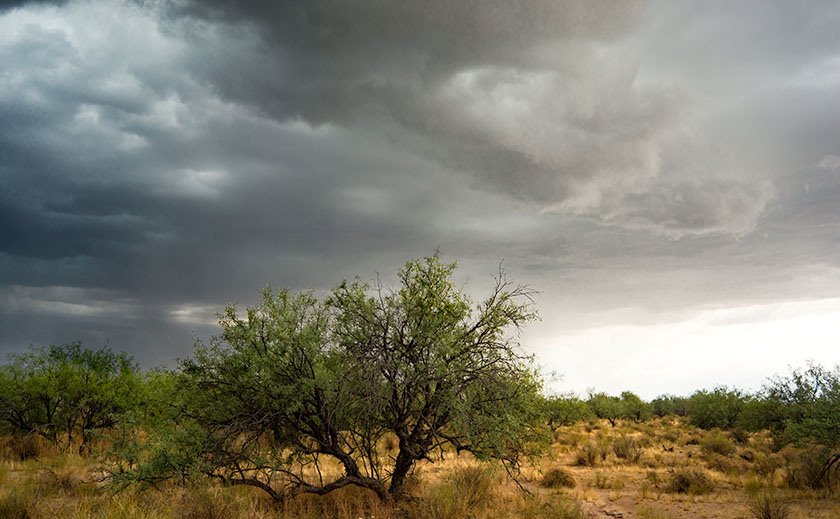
720	408
65	390
565	410
804	408
634	408
605	406
665	405
297	381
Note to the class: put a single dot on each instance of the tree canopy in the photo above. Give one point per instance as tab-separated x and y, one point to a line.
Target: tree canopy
298	383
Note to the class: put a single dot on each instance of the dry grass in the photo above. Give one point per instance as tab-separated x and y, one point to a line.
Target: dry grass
664	469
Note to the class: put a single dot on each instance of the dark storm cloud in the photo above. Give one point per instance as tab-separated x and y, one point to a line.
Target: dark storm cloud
161	159
529	98
14	4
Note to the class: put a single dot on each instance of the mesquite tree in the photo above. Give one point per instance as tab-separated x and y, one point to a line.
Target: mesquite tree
62	391
300	385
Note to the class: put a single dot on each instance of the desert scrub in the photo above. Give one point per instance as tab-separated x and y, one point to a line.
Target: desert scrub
767	464
589	454
689	481
465	491
647	512
549	507
767	505
627	448
806	470
717	443
723	464
14	505
605	482
22	447
557	477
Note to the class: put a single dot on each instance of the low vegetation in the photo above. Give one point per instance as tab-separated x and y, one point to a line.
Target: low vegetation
408	402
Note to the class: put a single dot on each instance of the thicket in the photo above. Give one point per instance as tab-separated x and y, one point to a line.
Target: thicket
67	392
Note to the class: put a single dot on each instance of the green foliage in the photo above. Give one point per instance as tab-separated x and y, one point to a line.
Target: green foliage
299	381
634	408
719	408
806	411
666	405
564	410
64	390
605	406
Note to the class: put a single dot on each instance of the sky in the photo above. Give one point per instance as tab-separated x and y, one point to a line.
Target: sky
666	173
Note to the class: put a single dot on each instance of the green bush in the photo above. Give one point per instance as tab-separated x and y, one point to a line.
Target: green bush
718	408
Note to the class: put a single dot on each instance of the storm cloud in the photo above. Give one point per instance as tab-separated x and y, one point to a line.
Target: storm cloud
638	162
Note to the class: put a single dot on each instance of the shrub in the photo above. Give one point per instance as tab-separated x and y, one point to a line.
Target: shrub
767	465
590	454
14	506
740	435
627	448
807	471
767	505
689	481
21	447
717	408
551	507
604	482
462	492
557	477
718	444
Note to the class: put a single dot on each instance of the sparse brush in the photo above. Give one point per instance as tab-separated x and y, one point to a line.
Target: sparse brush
589	454
550	507
14	505
740	435
766	465
464	491
717	443
768	505
689	481
21	447
649	513
202	504
807	470
604	482
627	448
557	477
669	435
720	463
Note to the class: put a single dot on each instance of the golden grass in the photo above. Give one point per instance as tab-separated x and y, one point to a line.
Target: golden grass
54	485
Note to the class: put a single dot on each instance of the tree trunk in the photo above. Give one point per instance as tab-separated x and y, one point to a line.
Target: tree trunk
402	465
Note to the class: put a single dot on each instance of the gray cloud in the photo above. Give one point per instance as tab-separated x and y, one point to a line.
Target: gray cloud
642	161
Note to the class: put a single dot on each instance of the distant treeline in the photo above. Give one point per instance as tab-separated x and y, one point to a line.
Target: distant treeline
802	408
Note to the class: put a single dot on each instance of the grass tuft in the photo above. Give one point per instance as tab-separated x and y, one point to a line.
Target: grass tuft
558	477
